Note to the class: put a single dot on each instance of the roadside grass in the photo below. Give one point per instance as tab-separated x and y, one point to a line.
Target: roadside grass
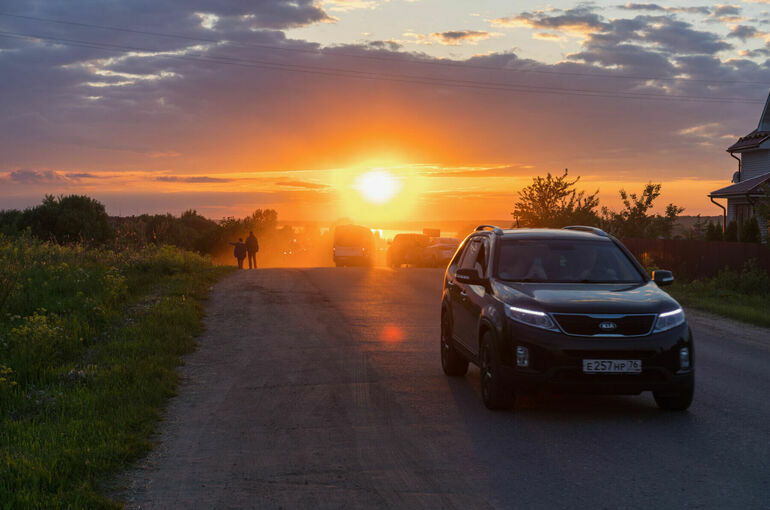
89	343
741	295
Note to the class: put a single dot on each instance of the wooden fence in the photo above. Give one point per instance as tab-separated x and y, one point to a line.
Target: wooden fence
697	259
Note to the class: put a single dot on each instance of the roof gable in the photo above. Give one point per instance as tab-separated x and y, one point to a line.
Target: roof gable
764	120
754	139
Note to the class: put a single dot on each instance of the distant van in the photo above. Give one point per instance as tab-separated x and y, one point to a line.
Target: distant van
353	246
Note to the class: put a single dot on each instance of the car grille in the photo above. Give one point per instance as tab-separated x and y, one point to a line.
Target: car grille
589	325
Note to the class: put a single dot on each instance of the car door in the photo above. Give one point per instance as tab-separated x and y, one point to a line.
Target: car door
462	309
475	297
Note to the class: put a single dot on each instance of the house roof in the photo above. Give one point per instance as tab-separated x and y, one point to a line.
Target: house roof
748	187
756	137
750	141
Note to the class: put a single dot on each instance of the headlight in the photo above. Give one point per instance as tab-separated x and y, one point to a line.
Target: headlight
669	320
530	317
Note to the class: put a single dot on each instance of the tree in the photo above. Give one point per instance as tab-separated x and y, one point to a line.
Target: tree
731	231
68	219
698	231
553	201
714	232
634	220
750	231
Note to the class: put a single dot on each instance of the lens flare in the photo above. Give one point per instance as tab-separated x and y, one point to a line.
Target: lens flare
377	186
392	334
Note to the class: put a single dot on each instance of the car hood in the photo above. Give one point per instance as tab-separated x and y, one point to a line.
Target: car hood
596	298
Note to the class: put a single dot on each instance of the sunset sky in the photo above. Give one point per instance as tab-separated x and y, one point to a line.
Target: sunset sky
226	106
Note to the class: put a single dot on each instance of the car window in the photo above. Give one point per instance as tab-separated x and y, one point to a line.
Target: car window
554	260
482	259
458	257
471	254
476	256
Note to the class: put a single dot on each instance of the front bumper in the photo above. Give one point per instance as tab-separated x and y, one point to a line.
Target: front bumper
556	361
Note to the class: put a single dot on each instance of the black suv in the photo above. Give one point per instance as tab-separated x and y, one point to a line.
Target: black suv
566	309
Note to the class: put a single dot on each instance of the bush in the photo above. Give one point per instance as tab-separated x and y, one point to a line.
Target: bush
66	219
714	232
750	231
731	232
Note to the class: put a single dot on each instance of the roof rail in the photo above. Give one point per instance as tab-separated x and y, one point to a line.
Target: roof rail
497	230
583	228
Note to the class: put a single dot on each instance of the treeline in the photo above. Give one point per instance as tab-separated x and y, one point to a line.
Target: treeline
553	201
82	219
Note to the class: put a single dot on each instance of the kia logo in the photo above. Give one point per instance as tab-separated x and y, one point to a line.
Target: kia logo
607	326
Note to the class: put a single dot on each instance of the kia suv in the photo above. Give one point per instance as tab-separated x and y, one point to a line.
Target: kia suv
569	310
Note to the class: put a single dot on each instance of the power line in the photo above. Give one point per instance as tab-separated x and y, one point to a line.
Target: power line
383	57
339	72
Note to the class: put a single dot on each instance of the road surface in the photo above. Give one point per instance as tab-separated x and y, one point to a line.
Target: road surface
322	388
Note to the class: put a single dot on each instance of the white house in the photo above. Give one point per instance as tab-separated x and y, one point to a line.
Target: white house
752	176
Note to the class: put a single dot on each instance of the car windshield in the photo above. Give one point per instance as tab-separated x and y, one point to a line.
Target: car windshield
564	261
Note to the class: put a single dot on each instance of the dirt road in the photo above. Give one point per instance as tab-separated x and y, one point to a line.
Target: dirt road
322	388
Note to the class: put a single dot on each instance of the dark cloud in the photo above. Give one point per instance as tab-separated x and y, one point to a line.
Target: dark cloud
743	32
647	44
580	19
726	10
384	45
301	184
27	176
81	175
641	7
655	7
201	179
457	36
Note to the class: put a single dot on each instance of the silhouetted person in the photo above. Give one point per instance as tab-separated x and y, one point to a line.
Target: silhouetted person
252	247
239	252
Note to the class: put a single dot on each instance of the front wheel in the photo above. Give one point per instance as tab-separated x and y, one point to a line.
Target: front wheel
679	401
452	362
495	393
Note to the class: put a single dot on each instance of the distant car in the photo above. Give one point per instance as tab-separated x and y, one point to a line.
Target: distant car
353	246
407	249
440	251
567	309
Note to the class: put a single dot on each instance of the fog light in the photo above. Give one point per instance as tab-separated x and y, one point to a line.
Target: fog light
522	356
684	358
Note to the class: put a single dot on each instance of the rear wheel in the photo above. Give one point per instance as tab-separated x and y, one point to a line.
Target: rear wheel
678	401
495	393
453	363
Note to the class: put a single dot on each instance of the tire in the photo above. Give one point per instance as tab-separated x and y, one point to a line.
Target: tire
495	393
676	401
452	362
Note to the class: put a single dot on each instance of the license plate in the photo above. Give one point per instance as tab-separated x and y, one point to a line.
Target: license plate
612	366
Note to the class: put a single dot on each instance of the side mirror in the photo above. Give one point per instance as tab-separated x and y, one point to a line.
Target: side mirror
662	277
469	276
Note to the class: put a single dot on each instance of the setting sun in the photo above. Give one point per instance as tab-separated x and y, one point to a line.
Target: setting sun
377	186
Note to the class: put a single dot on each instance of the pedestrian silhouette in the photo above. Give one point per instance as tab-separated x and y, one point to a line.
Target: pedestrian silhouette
252	247
239	252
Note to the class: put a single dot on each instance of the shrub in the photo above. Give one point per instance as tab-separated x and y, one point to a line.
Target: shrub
750	231
731	232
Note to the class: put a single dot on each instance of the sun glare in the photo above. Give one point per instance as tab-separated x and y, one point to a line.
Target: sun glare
377	186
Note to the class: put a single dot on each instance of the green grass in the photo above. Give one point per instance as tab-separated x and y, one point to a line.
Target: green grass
744	295
89	343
